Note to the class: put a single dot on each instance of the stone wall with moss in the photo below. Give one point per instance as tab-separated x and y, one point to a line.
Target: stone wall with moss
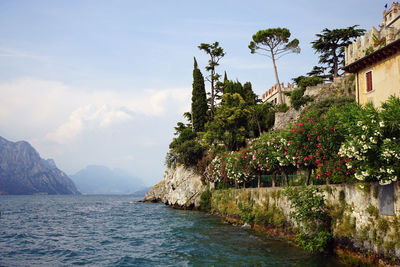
354	209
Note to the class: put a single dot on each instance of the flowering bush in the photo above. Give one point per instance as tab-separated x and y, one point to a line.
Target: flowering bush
238	166
372	143
304	137
347	143
258	152
216	170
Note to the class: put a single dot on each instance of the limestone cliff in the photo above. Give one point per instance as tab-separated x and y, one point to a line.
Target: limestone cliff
181	188
24	172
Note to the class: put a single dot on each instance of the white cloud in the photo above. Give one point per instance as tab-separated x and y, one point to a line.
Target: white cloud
85	117
61	113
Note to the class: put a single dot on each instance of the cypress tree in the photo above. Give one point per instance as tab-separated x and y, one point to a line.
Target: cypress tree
199	100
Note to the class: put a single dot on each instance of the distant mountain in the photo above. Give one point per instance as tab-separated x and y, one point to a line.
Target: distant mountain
24	172
142	192
96	179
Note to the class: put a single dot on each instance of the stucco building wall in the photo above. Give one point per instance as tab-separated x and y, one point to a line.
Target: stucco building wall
385	81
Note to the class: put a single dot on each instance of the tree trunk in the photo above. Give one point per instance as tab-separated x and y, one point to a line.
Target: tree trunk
308	176
244	184
212	94
277	79
259	127
259	181
286	178
335	65
274	180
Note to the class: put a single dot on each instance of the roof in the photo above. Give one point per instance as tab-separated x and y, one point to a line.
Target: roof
374	57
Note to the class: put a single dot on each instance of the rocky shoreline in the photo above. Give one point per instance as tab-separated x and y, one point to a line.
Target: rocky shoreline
181	188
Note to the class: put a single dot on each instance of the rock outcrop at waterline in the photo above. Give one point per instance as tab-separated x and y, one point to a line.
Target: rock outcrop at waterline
181	188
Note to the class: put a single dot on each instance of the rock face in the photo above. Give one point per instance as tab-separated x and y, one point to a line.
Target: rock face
282	119
181	188
24	172
95	179
341	86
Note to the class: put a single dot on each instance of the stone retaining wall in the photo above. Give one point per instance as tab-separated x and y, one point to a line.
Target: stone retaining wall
364	217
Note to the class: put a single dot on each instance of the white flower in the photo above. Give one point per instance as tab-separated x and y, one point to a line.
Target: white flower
359	177
363	137
390	170
365	174
359	123
385	182
381	124
364	127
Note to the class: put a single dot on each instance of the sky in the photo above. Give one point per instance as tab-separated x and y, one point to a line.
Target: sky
104	82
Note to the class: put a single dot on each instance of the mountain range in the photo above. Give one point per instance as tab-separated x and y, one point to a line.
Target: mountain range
96	179
24	172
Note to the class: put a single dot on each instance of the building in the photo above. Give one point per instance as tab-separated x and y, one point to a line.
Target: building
272	95
375	60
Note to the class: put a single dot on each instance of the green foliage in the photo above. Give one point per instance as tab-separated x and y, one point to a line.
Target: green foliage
322	107
373	211
270	216
216	53
190	152
315	242
274	43
369	50
305	81
319	71
205	200
229	126
372	141
310	211
297	98
262	118
275	40
282	107
330	45
248	94
383	225
246	211
199	100
346	227
186	147
342	196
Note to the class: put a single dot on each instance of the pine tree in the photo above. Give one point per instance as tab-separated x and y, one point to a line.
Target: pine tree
199	100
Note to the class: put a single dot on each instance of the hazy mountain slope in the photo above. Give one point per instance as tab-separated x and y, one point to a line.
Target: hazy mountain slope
24	172
103	180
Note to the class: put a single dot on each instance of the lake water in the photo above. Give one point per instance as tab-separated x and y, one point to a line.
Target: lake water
114	231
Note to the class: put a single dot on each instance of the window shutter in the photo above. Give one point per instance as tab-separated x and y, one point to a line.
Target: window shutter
369	81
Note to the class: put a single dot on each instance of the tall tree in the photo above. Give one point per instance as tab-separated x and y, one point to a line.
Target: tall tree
199	100
274	43
330	45
216	53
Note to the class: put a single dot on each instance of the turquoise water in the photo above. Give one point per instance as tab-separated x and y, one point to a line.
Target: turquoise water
113	231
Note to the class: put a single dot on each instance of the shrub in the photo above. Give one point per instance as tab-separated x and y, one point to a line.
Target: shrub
297	98
205	200
310	211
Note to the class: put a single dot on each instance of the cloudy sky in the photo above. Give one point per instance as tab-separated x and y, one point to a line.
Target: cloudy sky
104	82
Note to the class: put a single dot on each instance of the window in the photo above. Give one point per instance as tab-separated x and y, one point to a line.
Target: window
368	76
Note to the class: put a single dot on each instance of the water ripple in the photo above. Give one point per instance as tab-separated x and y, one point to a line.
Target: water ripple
112	231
